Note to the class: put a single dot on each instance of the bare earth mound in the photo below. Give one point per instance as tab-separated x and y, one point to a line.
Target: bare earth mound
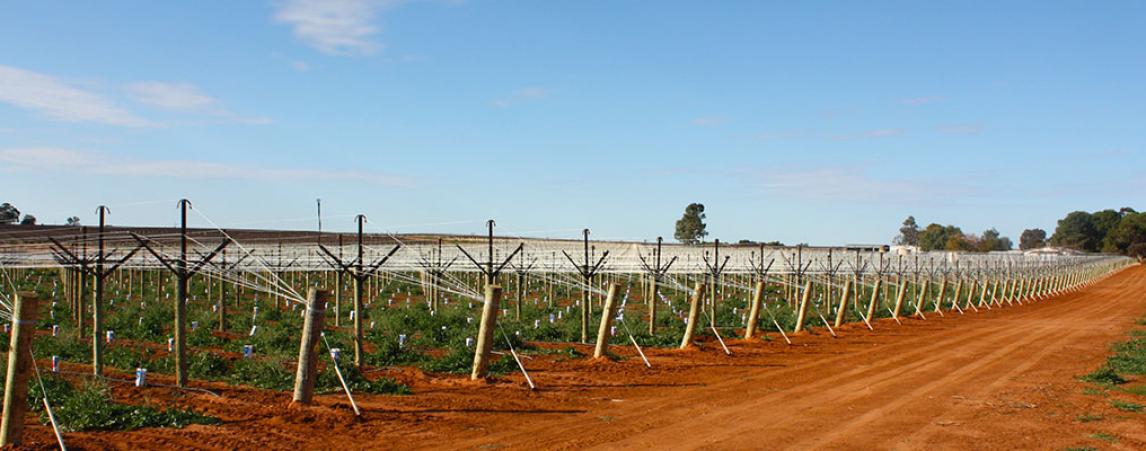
1002	379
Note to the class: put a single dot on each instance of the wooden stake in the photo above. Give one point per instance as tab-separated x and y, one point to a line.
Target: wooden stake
606	321
485	332
754	313
693	315
311	332
25	311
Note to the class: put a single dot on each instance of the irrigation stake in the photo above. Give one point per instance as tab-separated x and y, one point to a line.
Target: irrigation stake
829	326
639	351
25	310
721	340
781	329
342	380
897	321
528	380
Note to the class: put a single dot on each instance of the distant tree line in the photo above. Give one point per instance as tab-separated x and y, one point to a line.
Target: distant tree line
9	214
1121	231
937	237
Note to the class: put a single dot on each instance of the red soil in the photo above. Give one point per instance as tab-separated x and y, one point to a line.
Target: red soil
999	379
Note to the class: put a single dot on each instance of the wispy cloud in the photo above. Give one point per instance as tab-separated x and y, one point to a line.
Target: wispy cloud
849	184
706	121
185	98
526	94
58	100
960	129
49	159
870	134
785	134
336	27
922	100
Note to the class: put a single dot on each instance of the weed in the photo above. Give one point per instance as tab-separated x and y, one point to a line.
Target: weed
1127	406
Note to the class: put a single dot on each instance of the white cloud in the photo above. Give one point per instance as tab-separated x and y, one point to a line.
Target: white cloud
704	121
848	183
917	101
336	27
526	94
55	99
185	98
960	129
46	159
870	134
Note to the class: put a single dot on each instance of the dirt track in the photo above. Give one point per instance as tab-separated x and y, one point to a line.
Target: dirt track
1004	378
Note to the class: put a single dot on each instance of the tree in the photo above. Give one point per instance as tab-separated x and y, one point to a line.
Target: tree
28	220
74	221
1077	231
992	241
690	227
1131	230
908	233
1137	250
9	214
1033	239
933	238
1105	221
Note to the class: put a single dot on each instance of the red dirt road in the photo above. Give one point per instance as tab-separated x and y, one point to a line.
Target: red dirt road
999	379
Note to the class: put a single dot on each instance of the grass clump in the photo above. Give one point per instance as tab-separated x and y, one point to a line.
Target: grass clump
1126	406
1104	375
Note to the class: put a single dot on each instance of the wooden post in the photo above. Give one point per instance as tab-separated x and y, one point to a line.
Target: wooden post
311	332
899	297
942	295
652	302
874	297
754	312
486	331
843	304
606	320
922	296
693	314
803	312
25	311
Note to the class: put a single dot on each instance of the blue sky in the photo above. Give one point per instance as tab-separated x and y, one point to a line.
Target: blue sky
819	122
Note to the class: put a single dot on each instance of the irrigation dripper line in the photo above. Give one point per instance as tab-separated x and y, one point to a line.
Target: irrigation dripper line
47	405
338	372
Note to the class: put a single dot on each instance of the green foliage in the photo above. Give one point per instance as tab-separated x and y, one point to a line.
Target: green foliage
992	241
1104	375
1129	357
1033	239
205	365
9	214
690	228
908	233
91	408
328	382
1126	406
1077	231
1090	418
1128	236
260	373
